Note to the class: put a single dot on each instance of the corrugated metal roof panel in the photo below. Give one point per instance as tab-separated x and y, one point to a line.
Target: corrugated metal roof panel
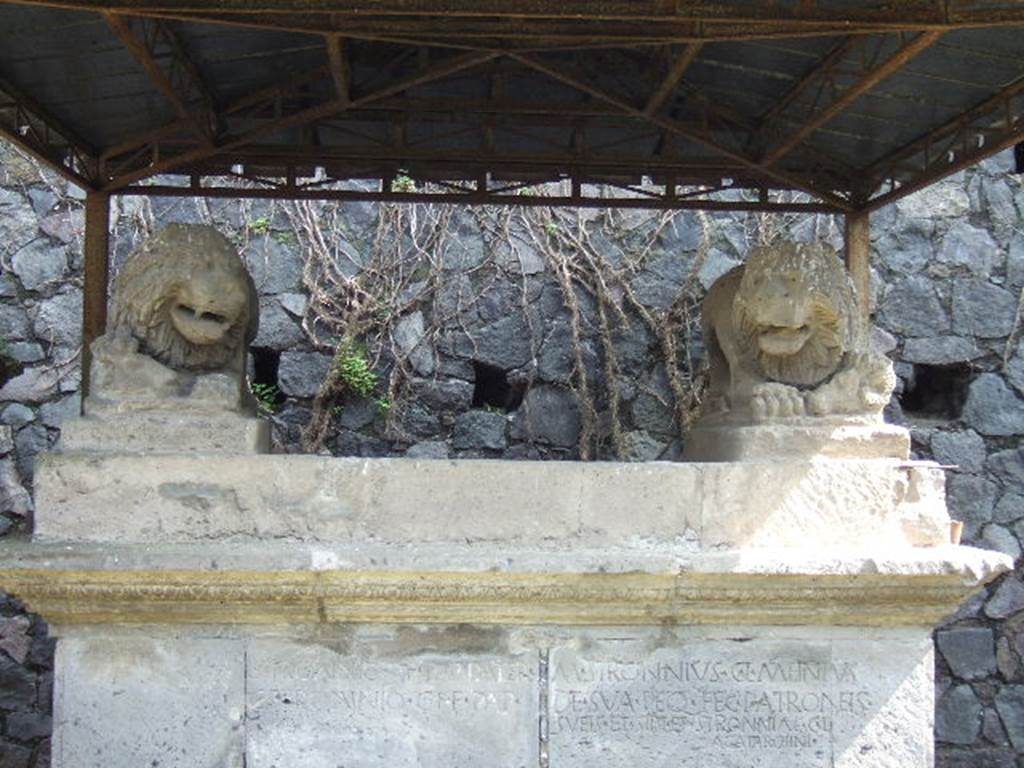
584	101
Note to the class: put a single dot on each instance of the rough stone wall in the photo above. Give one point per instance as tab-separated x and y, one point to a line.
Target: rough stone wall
951	297
544	335
40	300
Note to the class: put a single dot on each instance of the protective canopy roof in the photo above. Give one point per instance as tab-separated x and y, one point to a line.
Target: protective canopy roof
827	104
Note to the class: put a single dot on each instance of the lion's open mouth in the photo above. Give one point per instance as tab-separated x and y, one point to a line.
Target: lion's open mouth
199	326
782	341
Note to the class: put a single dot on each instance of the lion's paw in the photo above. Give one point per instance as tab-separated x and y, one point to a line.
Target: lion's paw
877	379
774	401
819	403
114	345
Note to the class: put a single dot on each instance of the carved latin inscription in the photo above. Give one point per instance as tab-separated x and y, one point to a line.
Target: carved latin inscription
729	704
318	707
734	704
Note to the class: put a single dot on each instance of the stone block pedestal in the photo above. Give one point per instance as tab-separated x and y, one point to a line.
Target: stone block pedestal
800	437
406	697
268	611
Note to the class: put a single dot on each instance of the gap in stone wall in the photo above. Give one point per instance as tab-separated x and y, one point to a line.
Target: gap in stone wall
492	388
936	391
9	367
265	364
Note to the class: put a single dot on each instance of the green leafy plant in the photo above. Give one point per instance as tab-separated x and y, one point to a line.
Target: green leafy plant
266	396
383	406
260	226
403	184
352	367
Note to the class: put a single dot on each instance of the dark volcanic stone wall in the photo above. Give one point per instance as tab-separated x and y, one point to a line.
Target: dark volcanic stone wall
487	338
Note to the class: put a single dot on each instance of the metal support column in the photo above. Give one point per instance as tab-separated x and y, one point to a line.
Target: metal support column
97	273
858	261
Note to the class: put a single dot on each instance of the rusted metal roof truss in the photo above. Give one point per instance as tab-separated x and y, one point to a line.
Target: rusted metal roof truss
646	103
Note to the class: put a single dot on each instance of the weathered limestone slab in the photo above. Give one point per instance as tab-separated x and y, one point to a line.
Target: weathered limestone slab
166	431
161	701
561	505
186	498
314	704
531	615
753	700
781	442
840	504
464	696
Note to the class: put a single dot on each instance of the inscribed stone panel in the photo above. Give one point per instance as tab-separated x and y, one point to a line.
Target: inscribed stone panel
309	705
741	703
141	701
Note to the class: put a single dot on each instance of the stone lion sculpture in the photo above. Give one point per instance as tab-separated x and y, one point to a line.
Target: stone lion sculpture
184	312
784	340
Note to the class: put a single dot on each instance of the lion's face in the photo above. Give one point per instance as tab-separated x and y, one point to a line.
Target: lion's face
187	297
790	313
206	307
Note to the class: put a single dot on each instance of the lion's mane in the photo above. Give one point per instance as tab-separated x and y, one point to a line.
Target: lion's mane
829	308
157	274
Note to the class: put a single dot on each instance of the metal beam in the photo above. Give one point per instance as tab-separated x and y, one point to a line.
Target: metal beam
988	129
96	277
817	115
462	107
983	130
672	79
156	47
858	262
875	12
337	55
484	34
306	116
815	76
475	196
672	126
276	159
28	126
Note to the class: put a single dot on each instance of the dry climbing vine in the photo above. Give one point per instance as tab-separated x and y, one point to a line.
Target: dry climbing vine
358	295
577	262
355	301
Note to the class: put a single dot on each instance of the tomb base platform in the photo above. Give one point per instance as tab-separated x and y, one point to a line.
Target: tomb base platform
797	438
262	611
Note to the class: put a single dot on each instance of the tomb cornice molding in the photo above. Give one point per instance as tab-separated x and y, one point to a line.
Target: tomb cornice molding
76	597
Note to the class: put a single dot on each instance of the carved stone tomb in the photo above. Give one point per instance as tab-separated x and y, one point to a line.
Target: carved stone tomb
219	606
